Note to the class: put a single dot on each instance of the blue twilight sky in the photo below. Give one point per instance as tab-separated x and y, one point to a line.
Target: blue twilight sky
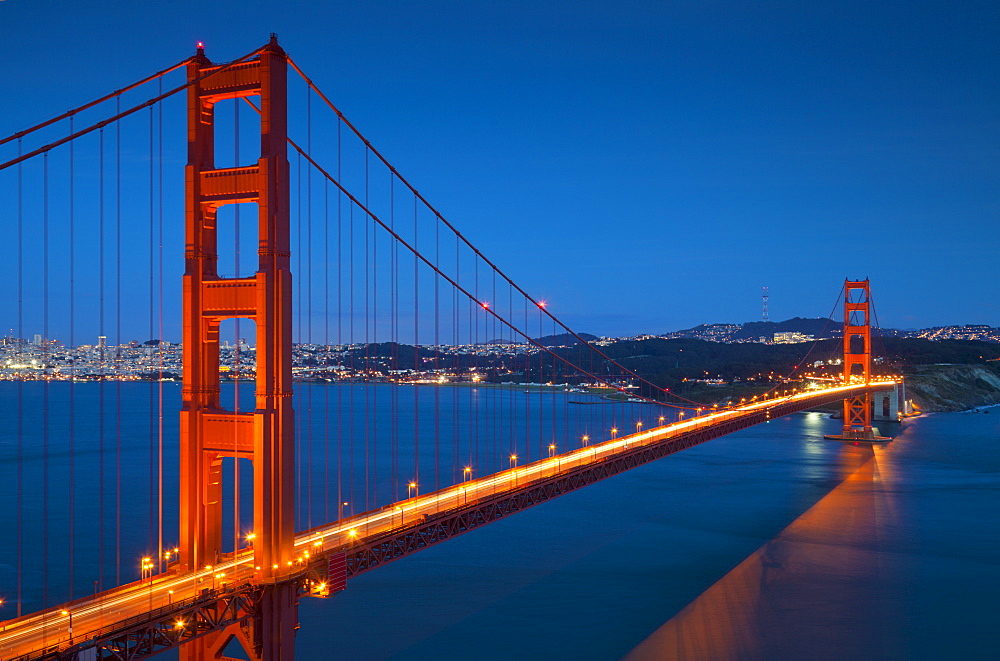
643	166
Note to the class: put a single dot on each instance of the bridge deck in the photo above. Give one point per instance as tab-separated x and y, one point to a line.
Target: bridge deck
142	618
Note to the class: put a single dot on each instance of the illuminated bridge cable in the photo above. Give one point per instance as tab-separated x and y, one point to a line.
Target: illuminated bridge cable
441	218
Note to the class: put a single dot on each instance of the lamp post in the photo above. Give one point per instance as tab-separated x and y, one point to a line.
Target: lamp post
513	467
70	615
614	432
586	440
412	487
467	474
552	450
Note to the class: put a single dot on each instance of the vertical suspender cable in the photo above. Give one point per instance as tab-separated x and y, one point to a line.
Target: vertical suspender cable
340	331
373	388
159	403
151	533
297	335
437	359
20	383
416	348
394	336
367	363
100	326
118	358
45	389
309	248
326	343
455	433
71	432
350	343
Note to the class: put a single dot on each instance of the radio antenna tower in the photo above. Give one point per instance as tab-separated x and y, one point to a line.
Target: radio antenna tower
763	298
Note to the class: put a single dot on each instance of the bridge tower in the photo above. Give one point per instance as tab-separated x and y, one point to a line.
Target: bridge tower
857	362
208	432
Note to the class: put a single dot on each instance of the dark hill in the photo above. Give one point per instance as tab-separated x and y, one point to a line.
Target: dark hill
819	328
563	340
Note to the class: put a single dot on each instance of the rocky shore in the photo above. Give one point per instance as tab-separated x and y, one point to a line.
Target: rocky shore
953	387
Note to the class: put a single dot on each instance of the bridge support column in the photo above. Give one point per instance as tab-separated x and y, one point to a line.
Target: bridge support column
857	363
208	432
266	635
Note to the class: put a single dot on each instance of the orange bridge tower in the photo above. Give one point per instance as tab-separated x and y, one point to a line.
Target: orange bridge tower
857	362
209	433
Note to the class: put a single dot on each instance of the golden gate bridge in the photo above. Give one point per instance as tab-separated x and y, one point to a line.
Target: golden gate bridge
332	484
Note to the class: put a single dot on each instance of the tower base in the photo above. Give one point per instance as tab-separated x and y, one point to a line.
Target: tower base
859	436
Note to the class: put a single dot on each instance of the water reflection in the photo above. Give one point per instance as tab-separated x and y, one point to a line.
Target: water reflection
814	591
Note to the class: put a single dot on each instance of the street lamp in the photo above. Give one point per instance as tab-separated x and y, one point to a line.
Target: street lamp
552	450
70	615
586	440
638	427
513	461
412	486
340	510
467	474
146	569
614	432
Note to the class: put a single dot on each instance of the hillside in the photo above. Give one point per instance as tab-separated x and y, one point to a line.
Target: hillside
953	387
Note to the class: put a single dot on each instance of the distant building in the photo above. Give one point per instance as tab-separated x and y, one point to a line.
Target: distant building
792	338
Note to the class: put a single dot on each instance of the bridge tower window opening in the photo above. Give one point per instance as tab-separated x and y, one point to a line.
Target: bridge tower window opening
237	242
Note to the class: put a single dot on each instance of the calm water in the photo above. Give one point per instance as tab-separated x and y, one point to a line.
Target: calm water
770	543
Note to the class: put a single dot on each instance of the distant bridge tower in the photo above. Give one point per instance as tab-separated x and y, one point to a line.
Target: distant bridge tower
208	433
857	362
